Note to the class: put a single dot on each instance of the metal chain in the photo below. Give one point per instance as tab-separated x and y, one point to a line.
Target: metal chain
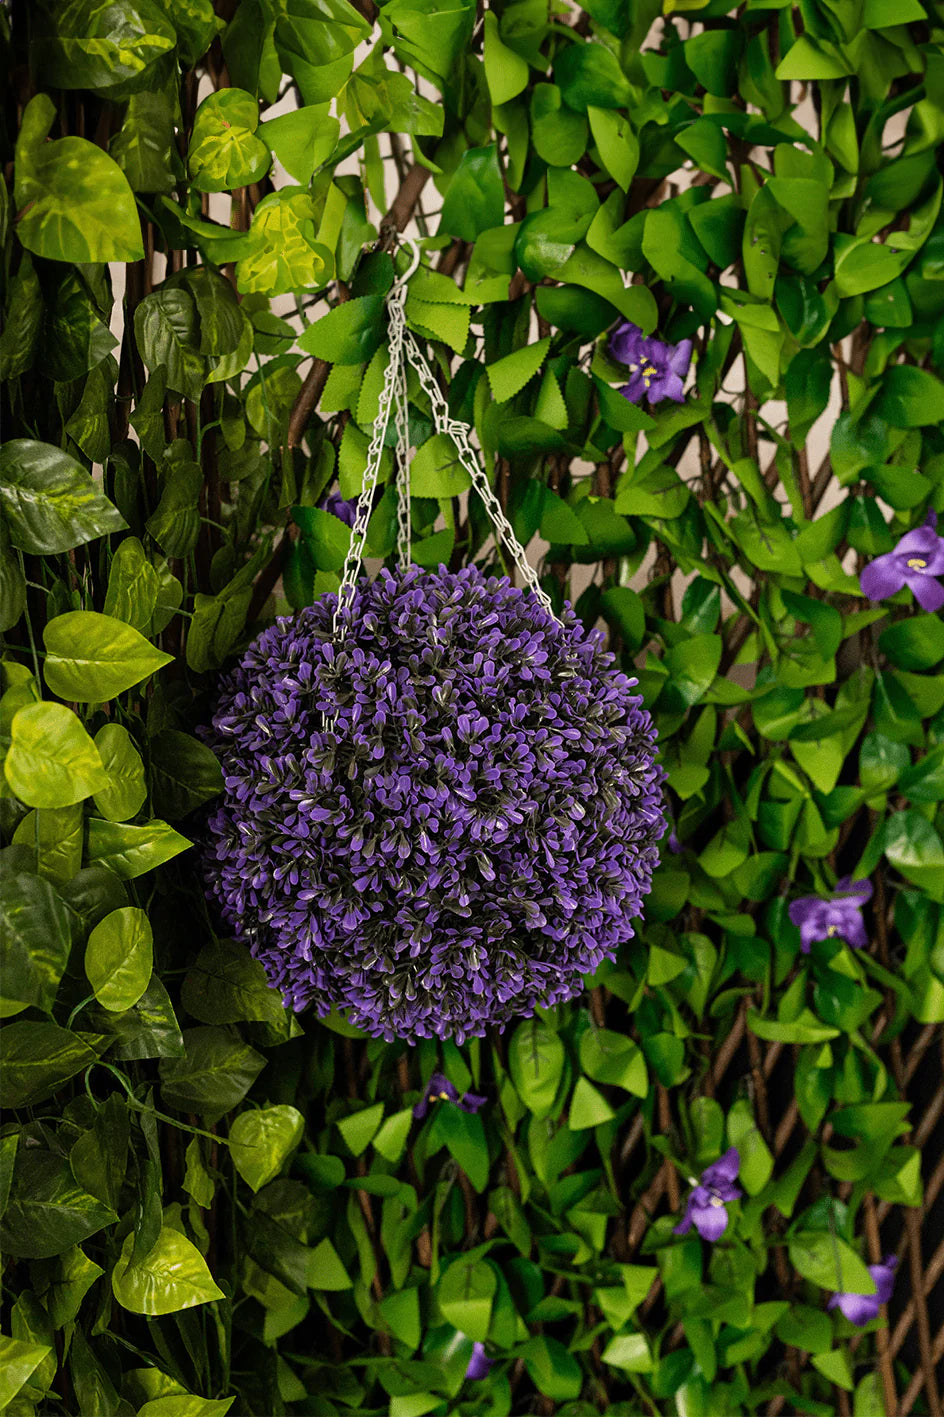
394	392
404	531
459	433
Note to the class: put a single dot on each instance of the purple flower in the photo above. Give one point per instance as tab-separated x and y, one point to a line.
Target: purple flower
479	1363
841	915
863	1308
440	1089
706	1208
442	822
673	843
658	369
915	561
338	507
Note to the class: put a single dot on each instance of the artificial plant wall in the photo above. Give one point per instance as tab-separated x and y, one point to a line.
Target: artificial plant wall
211	1204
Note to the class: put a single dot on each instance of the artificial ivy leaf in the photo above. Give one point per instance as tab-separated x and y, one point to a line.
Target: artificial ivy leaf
302	140
18	1360
119	957
475	197
55	836
506	73
436	470
226	985
465	1294
215	1073
91	658
74	201
87	44
351	333
260	1142
49	502
909	397
51	762
34	941
166	333
37	1059
224	150
129	851
144	147
829	1261
126	791
172	1276
285	255
590	75
536	1064
184	773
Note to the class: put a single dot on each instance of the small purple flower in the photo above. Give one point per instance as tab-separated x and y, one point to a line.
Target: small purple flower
841	915
440	1089
915	561
658	369
863	1308
479	1363
338	507
707	1204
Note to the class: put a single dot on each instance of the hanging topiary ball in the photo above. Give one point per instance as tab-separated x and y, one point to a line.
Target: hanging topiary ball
440	821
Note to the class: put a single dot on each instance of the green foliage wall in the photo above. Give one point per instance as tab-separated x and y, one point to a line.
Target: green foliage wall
210	1205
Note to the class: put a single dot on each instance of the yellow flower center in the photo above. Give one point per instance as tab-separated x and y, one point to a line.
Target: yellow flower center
716	1201
832	930
916	564
444	1097
648	374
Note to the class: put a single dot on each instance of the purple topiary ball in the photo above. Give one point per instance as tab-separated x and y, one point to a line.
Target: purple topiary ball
472	835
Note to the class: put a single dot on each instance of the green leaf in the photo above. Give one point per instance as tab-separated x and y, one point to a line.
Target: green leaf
827	1260
49	501
186	1405
34	941
144	149
536	1064
589	75
509	375
284	255
464	1135
95	45
38	1058
909	397
184	773
73	200
617	144
47	1212
126	791
224	150
215	1073
613	1058
18	1360
915	643
118	958
757	1164
358	1127
129	851
51	762
554	1372
326	536
302	140
261	1142
351	333
172	1276
588	1107
436	470
326	1269
506	73
629	1351
465	1294
226	985
914	848
475	197
166	333
91	658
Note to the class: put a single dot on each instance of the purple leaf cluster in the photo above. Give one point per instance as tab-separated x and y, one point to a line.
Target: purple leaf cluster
440	823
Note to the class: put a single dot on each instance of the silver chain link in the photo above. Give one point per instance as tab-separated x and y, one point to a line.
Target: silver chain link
394	392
